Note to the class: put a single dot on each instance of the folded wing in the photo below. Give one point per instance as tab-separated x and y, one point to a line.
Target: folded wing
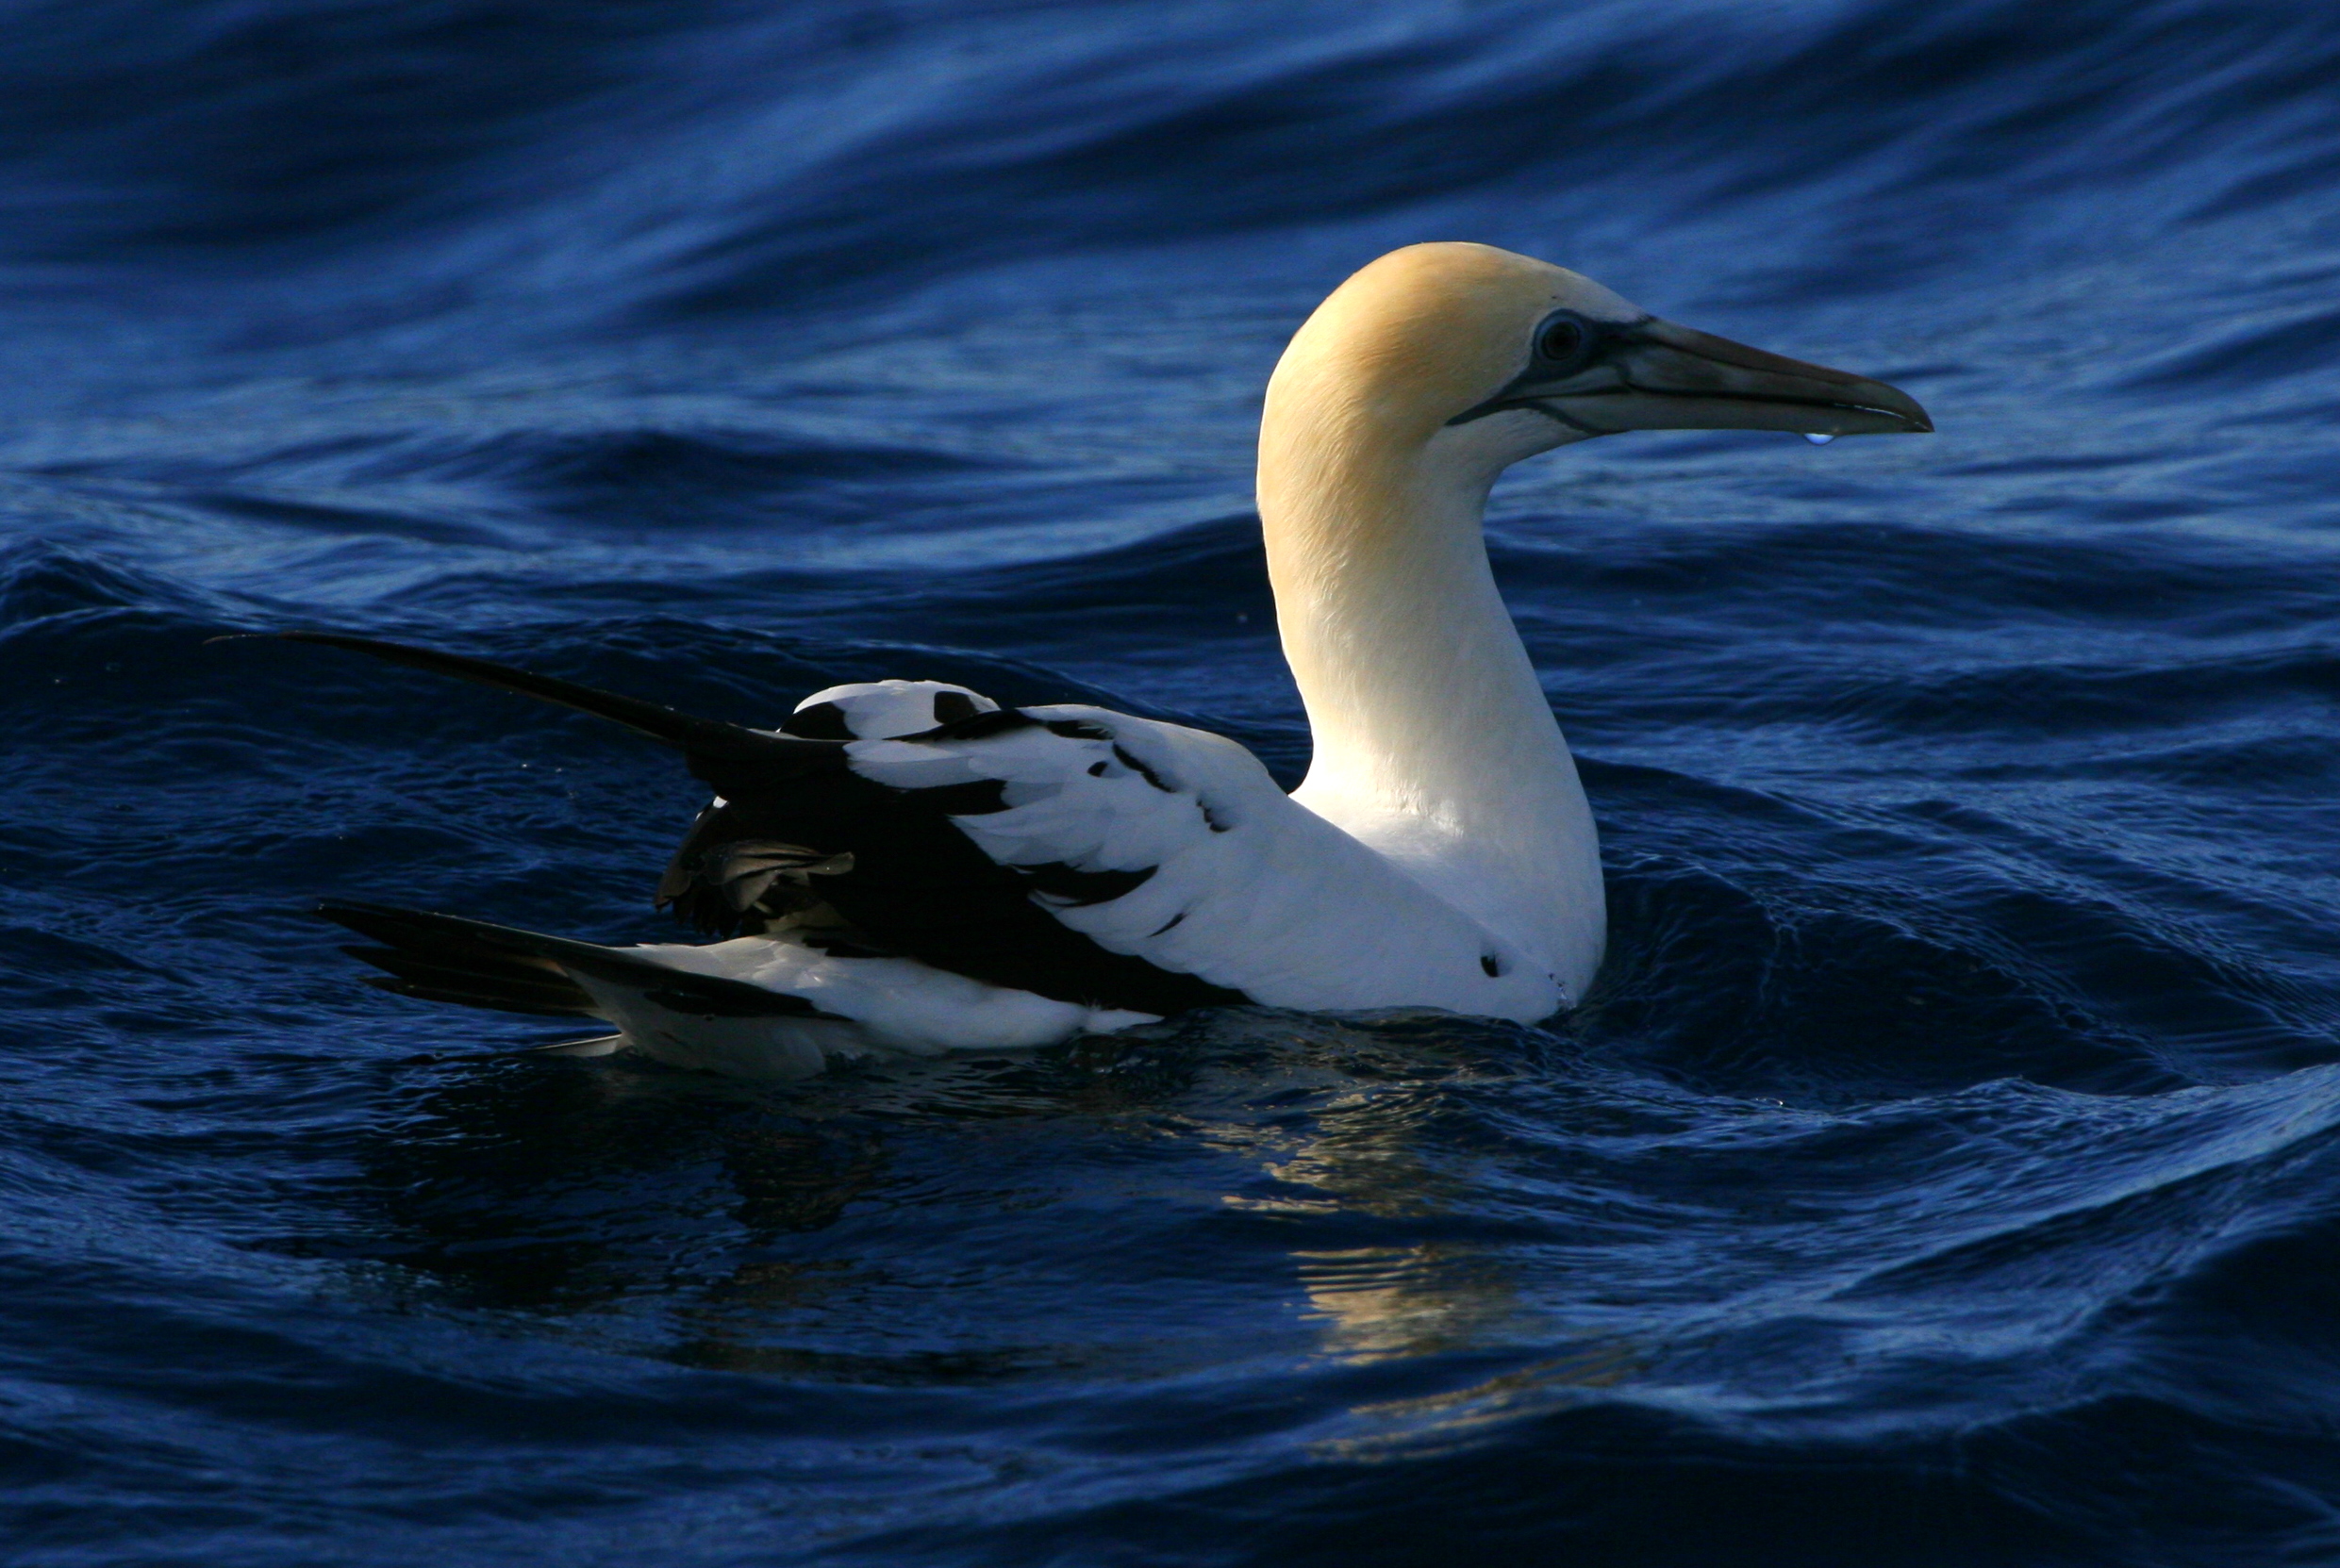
1081	854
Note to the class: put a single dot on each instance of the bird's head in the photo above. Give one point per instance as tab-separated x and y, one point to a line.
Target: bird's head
1429	341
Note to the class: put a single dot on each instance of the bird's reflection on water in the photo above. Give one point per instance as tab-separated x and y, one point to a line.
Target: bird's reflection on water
1266	1166
554	1187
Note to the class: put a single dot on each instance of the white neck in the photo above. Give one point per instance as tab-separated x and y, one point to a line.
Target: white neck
1433	739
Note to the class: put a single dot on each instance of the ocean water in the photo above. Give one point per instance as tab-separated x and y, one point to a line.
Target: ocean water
1946	1171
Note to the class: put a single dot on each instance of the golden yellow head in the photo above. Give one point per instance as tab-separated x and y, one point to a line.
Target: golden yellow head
1440	335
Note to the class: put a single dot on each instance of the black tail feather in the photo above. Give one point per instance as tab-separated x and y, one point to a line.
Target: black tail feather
507	984
449	958
489	997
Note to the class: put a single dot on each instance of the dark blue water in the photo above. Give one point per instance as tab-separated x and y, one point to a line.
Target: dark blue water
1946	1170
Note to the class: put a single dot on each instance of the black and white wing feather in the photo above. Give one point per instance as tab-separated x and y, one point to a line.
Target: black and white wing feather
1077	853
1175	846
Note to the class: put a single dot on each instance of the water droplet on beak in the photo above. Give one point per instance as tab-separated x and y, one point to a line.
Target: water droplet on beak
1817	440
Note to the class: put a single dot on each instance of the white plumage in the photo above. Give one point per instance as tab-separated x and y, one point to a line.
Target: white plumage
1246	889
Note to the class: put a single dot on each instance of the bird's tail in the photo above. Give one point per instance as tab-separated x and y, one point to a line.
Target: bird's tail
445	958
448	958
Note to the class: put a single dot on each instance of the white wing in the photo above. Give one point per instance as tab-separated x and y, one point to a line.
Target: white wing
1174	846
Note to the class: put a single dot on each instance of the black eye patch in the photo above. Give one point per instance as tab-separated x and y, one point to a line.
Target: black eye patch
1566	344
1565	341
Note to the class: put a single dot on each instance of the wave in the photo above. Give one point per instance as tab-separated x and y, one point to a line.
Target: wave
1940	1172
711	159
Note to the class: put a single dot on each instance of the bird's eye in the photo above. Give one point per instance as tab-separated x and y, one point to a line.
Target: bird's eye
1562	339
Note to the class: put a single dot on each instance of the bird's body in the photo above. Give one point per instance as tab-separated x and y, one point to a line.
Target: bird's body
905	867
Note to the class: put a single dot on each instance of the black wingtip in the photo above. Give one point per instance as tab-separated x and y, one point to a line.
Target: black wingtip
700	738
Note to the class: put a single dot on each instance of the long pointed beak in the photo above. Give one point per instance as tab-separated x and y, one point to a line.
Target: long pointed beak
1655	375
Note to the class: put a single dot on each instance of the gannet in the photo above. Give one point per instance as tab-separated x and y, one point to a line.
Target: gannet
907	867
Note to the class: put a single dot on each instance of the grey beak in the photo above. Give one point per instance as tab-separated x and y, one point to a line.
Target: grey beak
1651	374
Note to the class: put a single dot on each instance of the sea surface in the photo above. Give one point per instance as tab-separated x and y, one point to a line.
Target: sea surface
1945	1171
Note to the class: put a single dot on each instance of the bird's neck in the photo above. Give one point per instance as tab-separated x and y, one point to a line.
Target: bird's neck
1434	740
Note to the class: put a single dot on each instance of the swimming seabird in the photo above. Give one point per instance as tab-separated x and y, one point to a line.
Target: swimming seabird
906	867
